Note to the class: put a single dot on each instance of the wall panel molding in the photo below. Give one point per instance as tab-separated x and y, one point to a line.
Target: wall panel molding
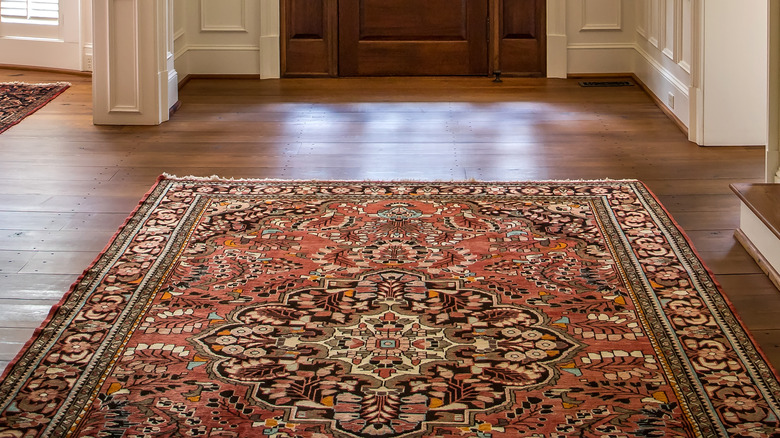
124	63
685	36
223	16
641	18
654	23
678	31
600	15
670	20
223	48
597	58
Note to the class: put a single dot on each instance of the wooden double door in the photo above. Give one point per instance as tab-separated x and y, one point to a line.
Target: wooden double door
412	37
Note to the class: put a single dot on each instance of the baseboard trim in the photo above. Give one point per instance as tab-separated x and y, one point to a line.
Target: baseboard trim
761	261
192	76
659	103
174	108
183	81
46	70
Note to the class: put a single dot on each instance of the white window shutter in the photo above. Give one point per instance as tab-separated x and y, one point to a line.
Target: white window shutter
33	11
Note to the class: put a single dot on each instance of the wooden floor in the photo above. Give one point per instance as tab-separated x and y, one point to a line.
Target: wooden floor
66	185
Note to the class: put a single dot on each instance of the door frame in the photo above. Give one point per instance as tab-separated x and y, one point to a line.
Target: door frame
553	38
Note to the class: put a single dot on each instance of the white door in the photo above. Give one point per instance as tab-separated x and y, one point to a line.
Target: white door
46	33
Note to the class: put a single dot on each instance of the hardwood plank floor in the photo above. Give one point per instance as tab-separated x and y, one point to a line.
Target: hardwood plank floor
66	185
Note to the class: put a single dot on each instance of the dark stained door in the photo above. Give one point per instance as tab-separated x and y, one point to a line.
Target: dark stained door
520	36
412	37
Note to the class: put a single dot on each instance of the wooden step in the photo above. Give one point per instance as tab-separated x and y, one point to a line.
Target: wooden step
759	225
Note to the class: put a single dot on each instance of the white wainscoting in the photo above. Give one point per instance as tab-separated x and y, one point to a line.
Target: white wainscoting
225	37
602	15
223	16
670	89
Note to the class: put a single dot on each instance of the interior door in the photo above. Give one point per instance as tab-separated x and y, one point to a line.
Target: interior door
520	37
413	37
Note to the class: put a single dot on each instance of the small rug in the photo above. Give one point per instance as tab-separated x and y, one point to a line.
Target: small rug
393	309
18	100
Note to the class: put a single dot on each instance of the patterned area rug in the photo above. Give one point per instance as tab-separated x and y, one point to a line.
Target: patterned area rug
371	309
18	100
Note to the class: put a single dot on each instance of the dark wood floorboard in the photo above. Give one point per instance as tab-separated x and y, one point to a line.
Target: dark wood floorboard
67	185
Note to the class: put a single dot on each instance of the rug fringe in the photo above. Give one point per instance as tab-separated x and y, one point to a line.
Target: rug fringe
217	178
37	84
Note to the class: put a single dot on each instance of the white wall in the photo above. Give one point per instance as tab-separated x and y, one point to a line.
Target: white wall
734	73
664	51
69	49
773	94
225	37
600	36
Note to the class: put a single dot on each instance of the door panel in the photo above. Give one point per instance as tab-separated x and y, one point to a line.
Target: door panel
308	43
522	37
404	20
413	37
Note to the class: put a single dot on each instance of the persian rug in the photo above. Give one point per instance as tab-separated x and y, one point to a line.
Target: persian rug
18	100
230	308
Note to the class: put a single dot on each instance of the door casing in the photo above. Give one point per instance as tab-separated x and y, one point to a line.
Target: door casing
517	37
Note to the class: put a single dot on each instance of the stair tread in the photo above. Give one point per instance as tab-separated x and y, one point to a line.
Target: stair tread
763	199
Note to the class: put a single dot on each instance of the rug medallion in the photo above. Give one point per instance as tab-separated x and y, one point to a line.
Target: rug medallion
374	309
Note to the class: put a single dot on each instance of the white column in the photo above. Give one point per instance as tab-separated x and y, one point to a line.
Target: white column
270	60
557	41
172	83
730	77
695	92
133	67
773	54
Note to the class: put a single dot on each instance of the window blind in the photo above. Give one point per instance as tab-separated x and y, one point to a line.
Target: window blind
30	11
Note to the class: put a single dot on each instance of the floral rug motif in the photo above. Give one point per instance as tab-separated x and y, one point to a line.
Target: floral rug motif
18	100
230	308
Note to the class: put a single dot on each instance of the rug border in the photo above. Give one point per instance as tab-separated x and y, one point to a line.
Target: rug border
215	178
65	86
55	308
775	371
